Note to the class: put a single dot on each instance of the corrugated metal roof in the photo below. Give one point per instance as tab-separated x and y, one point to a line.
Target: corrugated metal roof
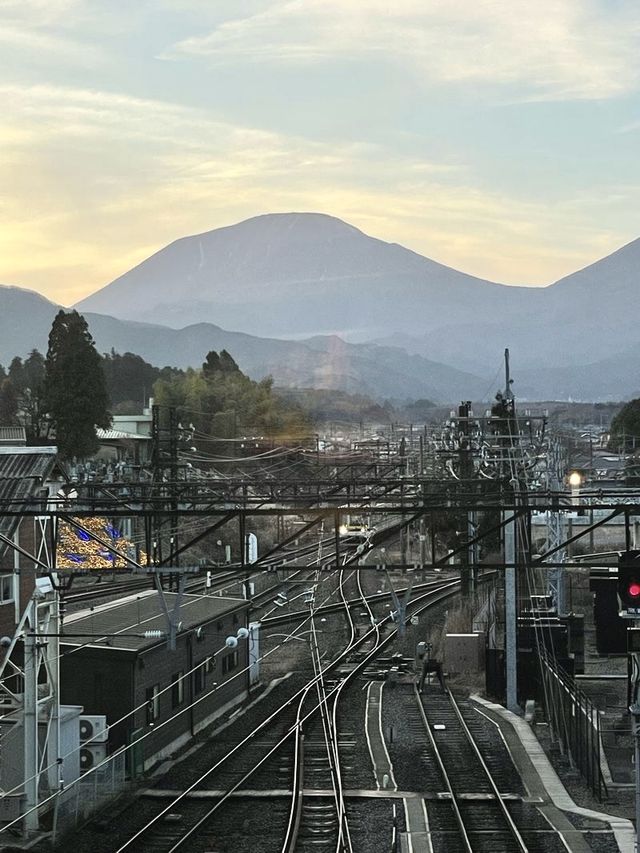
13	435
111	434
23	471
143	612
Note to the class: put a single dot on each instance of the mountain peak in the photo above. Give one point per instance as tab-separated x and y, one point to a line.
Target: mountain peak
283	274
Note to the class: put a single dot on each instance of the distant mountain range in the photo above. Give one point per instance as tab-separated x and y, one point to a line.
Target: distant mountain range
320	362
316	302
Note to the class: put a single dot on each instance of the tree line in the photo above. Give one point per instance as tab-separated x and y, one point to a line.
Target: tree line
65	395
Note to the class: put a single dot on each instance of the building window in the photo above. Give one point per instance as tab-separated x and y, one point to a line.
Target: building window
152	696
229	662
235	619
177	689
209	665
220	626
198	679
6	589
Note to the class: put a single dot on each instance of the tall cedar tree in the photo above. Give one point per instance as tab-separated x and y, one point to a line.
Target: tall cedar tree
28	380
76	394
8	403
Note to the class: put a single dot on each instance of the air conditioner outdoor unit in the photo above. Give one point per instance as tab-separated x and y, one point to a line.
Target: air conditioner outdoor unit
94	728
92	755
11	807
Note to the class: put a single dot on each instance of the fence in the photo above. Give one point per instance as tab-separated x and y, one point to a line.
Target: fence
574	722
89	793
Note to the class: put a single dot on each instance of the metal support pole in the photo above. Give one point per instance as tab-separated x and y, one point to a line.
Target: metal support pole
473	550
510	620
31	758
635	710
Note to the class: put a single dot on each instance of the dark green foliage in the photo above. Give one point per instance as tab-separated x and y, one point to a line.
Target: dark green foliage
8	403
419	410
227	364
27	378
222	402
76	394
625	427
324	406
211	365
222	363
130	380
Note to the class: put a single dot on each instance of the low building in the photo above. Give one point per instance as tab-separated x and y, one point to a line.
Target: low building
112	664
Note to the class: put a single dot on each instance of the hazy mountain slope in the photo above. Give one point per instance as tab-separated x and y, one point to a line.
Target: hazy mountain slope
584	318
300	274
380	372
295	274
25	322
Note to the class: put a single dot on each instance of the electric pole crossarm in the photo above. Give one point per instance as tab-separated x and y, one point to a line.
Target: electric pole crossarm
212	529
15	547
577	536
305	529
477	539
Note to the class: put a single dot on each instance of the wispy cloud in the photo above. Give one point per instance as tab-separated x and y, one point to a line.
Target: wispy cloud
93	182
551	49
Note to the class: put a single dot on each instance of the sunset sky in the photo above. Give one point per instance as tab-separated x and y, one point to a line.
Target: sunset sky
501	137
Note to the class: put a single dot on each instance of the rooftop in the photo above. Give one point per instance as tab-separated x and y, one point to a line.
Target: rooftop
136	614
23	470
12	436
115	434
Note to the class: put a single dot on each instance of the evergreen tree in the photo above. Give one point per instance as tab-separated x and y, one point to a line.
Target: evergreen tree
625	427
8	404
212	365
227	363
75	389
16	373
32	395
129	380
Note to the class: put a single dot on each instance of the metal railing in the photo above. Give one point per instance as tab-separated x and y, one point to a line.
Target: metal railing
574	723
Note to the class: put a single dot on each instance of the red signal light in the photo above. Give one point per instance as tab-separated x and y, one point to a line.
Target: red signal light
634	589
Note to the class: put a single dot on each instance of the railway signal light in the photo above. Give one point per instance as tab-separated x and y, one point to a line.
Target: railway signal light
629	584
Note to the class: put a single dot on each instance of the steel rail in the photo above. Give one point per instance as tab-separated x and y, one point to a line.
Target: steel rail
515	832
424	601
454	802
513	829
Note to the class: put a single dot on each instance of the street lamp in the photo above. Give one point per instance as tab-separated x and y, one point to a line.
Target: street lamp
575	481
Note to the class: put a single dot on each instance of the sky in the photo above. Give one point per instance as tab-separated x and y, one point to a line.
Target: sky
500	137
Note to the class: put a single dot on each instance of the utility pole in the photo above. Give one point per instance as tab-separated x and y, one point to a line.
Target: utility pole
510	607
165	464
510	543
37	702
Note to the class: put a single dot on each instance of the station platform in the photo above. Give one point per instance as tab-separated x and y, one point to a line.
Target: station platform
545	786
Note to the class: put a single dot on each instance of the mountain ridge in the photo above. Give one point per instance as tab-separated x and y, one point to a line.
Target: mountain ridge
335	364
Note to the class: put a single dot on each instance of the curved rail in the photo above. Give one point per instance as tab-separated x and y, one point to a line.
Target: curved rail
423	602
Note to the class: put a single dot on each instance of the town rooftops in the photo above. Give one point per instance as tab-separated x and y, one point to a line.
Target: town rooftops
111	625
23	471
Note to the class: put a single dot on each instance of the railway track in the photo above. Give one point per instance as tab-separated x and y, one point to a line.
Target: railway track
270	748
480	811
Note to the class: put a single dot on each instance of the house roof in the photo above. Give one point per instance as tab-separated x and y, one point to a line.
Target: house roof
13	435
23	471
136	614
114	434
